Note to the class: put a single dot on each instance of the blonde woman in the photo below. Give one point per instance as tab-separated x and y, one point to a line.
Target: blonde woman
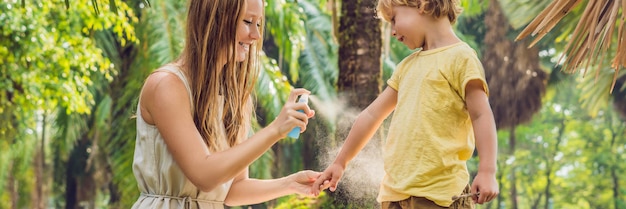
192	147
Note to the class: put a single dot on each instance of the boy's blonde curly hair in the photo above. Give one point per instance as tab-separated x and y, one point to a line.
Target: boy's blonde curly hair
435	8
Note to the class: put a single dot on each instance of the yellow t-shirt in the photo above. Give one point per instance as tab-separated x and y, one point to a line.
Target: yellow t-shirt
430	137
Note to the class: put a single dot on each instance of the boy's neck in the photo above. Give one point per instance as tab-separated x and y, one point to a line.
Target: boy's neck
439	35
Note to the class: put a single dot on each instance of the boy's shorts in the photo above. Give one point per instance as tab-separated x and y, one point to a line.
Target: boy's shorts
423	203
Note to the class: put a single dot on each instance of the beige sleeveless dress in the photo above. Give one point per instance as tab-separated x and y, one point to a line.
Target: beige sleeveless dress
161	182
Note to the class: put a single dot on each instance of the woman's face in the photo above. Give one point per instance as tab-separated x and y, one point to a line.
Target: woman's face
248	30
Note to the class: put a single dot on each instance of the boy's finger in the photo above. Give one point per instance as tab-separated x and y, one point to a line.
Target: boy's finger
316	185
333	183
474	190
324	185
481	198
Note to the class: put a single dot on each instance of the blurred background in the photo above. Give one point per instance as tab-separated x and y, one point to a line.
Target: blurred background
71	72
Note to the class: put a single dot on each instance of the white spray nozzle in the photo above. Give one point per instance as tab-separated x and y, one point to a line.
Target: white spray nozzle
303	98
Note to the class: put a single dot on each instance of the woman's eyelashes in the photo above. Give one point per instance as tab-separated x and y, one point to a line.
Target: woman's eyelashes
249	22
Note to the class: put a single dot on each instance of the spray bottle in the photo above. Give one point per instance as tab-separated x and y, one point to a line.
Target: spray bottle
295	132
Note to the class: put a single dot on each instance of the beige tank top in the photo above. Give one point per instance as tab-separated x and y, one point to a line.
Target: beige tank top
161	182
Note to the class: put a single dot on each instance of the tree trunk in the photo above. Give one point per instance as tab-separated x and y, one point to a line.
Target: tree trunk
500	181
537	201
70	189
360	74
80	187
360	69
278	162
619	97
359	53
313	151
551	161
615	166
615	179
11	134
40	168
13	187
516	82
513	176
547	189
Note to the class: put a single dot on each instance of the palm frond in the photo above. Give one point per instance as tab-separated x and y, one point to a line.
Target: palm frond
284	23
521	12
272	89
596	97
262	167
164	24
160	30
318	60
592	37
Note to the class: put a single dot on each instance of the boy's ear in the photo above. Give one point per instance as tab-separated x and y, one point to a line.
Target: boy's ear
420	10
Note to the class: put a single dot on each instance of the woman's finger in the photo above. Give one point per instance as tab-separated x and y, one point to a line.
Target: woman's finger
295	93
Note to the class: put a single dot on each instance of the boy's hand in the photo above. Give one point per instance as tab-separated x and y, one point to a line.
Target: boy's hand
486	184
329	179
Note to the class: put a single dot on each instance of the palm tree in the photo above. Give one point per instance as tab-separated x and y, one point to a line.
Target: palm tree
360	67
360	45
516	81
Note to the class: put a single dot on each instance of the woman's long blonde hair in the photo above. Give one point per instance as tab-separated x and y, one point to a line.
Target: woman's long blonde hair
211	37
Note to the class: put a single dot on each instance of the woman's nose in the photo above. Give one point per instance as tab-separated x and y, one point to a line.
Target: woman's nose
255	33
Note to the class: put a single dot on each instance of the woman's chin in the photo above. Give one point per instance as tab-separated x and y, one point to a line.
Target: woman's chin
241	57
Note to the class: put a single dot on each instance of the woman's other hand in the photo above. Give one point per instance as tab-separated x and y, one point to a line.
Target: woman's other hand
301	182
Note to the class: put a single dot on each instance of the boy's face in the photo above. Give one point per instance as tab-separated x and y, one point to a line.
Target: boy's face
407	26
248	30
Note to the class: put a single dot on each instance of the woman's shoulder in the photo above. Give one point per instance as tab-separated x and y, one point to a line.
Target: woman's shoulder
160	79
162	91
164	84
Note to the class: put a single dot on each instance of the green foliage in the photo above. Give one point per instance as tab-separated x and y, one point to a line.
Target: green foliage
564	149
271	90
299	202
318	60
285	24
48	62
596	97
472	8
83	71
323	201
159	29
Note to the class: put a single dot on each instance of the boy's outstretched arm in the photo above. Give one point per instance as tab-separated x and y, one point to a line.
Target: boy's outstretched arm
362	131
486	141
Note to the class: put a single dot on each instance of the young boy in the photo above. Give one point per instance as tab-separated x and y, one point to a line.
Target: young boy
441	111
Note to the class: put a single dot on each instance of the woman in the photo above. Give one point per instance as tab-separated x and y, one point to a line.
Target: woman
194	113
